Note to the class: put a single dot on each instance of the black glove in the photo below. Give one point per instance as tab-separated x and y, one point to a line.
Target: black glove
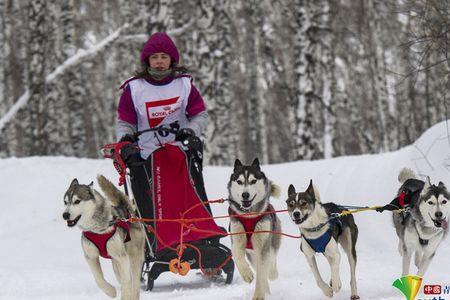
194	143
129	138
130	153
184	133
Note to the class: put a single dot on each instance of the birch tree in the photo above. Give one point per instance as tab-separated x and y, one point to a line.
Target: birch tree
315	81
277	83
13	82
3	106
35	134
207	47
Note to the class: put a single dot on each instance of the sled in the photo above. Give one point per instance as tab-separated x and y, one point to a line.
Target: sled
173	196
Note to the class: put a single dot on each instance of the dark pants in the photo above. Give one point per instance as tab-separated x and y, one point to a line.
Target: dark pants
141	184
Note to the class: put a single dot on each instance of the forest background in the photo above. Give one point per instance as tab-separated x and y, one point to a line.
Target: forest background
283	80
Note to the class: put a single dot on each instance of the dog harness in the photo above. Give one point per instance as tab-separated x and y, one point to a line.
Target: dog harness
100	240
249	222
407	196
319	244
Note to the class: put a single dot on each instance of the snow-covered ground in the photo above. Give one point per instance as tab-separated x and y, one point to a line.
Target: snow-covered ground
41	258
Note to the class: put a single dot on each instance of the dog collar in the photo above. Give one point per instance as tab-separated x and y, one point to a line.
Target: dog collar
315	229
247	211
332	218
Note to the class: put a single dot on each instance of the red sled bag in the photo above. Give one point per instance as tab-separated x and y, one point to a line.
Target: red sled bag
174	194
174	197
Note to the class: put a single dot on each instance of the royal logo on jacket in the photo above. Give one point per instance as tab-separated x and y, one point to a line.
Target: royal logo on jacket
158	110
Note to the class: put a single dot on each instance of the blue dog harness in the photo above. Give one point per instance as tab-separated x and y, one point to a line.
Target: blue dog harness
319	244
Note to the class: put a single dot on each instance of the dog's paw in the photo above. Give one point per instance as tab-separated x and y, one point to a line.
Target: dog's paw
336	285
354	297
109	290
327	290
258	297
247	274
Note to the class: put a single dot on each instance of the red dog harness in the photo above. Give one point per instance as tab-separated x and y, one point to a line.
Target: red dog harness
249	222
401	199
100	240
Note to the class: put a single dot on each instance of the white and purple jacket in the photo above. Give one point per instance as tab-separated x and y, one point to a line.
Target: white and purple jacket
147	104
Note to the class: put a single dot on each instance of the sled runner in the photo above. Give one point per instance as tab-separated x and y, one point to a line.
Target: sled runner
174	190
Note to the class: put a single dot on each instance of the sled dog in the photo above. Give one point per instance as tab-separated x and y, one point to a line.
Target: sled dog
321	233
106	235
250	210
424	225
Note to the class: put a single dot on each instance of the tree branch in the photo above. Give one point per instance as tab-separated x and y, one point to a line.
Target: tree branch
80	56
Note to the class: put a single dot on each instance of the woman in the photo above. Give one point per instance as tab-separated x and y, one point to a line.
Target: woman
159	95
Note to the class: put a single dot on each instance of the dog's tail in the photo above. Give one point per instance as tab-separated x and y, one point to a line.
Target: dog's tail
113	194
406	174
275	190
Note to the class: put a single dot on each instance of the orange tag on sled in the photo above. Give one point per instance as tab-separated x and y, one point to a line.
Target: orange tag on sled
177	267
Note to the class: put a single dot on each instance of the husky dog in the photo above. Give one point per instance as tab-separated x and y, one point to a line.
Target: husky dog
423	227
250	210
103	235
321	233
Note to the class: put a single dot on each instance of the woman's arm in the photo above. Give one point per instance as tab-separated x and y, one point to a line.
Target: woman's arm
199	122
196	112
126	115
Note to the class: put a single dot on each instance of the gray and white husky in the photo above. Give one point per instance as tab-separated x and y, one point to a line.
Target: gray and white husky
249	194
321	233
423	228
96	215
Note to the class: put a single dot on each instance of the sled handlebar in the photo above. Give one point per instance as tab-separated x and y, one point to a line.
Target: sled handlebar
162	130
114	150
191	142
109	149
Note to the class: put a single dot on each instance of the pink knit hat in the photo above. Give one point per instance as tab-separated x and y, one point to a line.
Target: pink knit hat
160	42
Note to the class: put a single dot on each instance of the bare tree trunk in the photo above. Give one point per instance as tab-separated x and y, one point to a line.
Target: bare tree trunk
306	144
36	113
315	109
211	48
13	68
329	81
375	50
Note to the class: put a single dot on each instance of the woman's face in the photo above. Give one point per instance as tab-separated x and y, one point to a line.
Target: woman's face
159	61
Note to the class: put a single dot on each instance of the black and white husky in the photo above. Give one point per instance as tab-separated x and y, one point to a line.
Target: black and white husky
105	235
424	226
321	234
249	193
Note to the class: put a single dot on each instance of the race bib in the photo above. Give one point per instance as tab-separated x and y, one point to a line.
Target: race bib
158	110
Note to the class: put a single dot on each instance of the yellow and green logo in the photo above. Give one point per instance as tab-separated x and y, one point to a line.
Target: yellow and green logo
409	285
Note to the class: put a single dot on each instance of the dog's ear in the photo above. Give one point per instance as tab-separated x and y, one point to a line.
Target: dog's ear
442	185
74	183
310	189
91	186
237	164
255	163
426	186
291	190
